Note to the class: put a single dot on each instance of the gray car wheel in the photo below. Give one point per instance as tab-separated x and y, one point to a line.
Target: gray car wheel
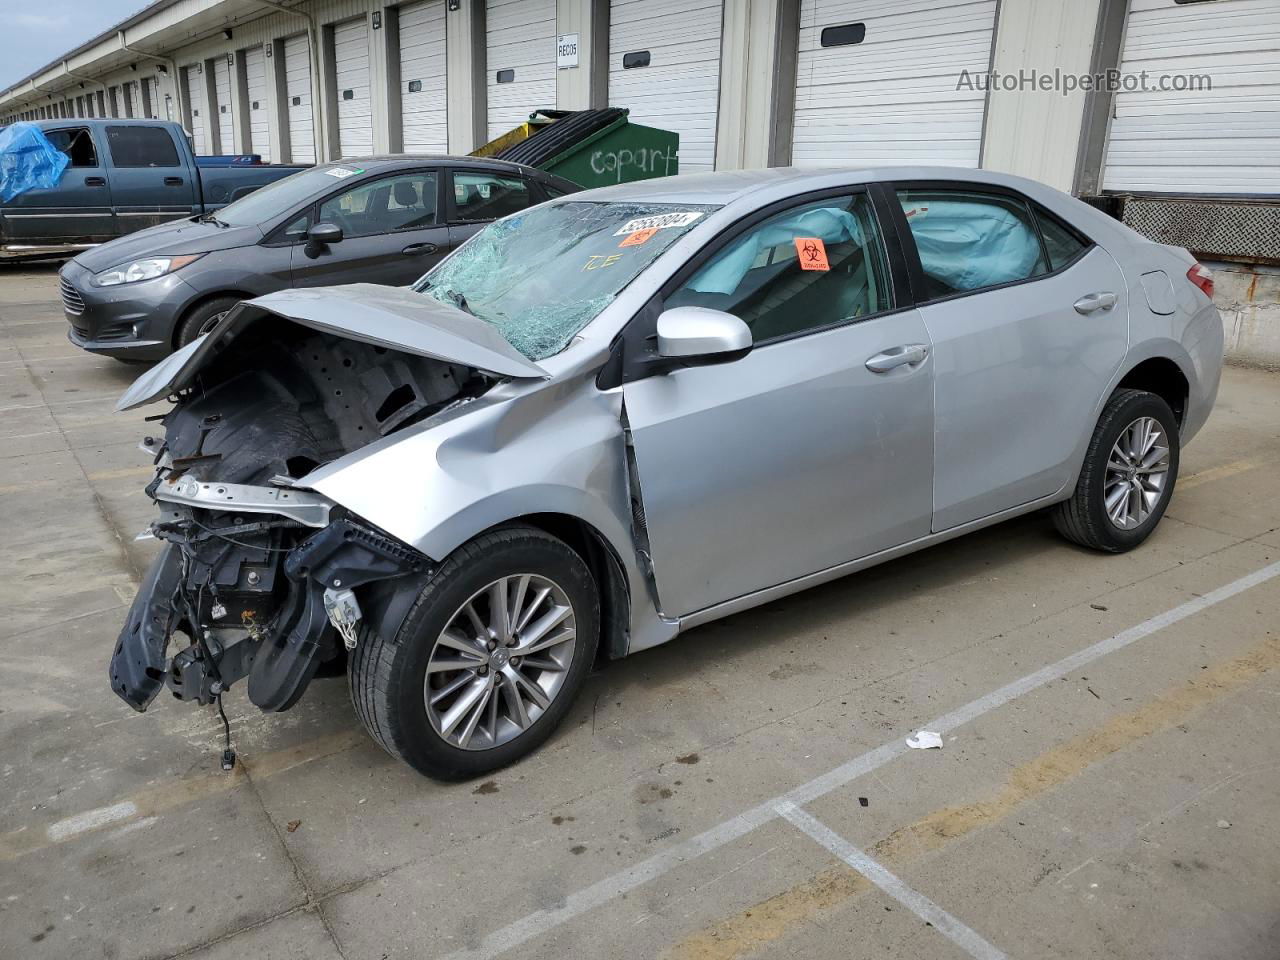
1128	475
202	318
488	660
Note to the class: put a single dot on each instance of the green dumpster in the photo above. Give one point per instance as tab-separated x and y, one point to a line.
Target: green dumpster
591	147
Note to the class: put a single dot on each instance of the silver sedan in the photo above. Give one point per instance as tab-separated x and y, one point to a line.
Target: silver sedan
624	413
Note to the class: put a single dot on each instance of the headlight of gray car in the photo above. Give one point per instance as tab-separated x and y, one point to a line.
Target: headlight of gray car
146	269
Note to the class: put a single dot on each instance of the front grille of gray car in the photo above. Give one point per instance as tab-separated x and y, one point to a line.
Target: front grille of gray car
72	302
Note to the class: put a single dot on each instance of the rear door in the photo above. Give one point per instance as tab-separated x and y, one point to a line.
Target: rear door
78	210
1029	323
150	180
391	233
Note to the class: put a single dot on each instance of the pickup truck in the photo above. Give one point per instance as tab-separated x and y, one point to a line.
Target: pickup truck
124	175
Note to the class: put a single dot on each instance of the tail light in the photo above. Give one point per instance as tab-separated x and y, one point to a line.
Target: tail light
1202	277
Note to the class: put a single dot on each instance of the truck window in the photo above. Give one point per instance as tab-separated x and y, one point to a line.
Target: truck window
76	143
142	147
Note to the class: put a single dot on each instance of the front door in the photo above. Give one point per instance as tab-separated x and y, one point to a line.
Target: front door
1029	324
814	449
390	234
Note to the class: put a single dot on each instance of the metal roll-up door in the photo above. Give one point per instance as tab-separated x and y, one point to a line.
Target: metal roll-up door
255	75
664	66
1222	136
355	109
423	94
195	97
226	121
520	44
876	81
135	100
297	81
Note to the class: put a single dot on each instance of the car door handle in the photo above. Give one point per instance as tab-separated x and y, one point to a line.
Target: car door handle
173	181
894	357
418	249
95	181
1095	301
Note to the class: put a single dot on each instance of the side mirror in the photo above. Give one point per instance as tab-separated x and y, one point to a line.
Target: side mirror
700	335
325	233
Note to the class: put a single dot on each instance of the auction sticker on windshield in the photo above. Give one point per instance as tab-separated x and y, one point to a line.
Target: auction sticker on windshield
659	222
343	172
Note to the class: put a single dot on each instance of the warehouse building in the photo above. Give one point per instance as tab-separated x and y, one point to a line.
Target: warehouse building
747	83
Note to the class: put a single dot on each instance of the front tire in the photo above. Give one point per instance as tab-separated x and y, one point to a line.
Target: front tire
1128	476
488	660
203	318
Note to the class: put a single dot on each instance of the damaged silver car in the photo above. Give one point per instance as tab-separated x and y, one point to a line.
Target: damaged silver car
624	413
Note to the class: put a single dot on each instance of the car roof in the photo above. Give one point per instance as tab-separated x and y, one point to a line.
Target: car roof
724	187
393	161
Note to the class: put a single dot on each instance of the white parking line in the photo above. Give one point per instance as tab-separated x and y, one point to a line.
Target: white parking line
90	820
924	908
611	887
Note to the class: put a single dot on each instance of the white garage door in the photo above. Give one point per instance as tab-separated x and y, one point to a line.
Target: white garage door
520	41
222	90
255	75
664	66
195	100
884	87
1225	139
297	80
423	95
355	110
135	100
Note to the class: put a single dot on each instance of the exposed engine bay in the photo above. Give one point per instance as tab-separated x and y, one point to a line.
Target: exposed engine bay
257	575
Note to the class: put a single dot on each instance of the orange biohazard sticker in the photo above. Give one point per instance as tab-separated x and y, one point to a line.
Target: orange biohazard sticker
812	254
638	237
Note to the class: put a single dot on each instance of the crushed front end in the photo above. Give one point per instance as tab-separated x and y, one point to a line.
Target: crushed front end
259	577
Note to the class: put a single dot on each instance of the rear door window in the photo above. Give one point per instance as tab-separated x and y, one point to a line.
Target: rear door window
970	240
142	147
488	196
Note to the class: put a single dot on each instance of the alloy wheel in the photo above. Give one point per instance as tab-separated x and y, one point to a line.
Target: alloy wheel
1137	472
500	661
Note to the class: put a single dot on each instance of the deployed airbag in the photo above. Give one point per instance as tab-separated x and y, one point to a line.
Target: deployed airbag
28	161
828	224
971	245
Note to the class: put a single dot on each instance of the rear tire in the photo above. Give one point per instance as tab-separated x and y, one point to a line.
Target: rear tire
202	319
1123	489
408	711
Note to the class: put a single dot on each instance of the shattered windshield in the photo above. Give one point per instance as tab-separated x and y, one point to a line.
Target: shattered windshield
542	275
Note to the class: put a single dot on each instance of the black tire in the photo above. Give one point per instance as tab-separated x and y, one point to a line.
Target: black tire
200	319
387	676
1083	519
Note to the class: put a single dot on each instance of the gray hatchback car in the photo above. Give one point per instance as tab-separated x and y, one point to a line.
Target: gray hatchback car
624	413
374	220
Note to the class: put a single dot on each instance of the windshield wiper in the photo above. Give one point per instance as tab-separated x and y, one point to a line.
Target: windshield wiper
210	218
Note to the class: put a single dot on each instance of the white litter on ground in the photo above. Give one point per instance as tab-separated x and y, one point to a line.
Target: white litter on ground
925	740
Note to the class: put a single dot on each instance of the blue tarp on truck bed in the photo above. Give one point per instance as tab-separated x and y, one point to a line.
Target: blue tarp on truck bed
28	161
